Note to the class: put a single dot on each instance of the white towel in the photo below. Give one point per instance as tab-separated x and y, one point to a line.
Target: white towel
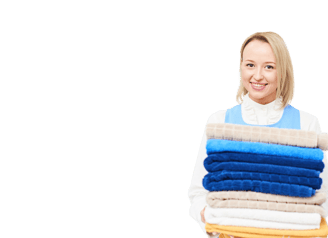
213	215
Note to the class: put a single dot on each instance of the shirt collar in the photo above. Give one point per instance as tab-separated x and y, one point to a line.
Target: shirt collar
251	110
272	105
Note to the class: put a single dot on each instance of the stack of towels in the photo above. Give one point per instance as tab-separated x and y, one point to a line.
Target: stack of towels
263	181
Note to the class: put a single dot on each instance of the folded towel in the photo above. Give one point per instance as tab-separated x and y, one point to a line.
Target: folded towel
250	232
221	235
264	168
210	178
300	138
269	236
262	186
262	215
266	159
216	145
227	221
273	206
213	197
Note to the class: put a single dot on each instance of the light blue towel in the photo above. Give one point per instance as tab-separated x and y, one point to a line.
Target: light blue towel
217	145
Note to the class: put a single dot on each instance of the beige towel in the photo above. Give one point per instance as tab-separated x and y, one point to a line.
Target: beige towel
274	206
215	197
293	137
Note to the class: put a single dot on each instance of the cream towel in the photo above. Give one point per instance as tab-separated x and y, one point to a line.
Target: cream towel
300	138
275	206
214	197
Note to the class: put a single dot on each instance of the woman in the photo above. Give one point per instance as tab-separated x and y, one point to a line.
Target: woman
266	88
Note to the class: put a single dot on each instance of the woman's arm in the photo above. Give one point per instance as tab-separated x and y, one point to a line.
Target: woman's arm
197	193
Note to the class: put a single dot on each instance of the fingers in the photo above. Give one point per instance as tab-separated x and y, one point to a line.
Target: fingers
202	215
212	233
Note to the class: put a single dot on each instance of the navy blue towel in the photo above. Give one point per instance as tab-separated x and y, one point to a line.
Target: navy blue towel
212	178
263	187
262	168
266	159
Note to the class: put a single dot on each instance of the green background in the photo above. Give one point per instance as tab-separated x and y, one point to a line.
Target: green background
104	104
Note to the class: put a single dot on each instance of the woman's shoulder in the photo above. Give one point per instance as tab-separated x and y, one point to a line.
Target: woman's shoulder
309	122
217	117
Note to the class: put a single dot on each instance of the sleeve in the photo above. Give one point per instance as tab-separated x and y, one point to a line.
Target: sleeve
197	193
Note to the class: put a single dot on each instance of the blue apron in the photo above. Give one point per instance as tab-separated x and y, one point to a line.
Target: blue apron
290	118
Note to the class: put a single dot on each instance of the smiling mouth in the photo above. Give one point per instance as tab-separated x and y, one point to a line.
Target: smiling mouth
259	84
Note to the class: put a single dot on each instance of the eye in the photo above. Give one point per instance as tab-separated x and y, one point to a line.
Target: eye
251	65
269	66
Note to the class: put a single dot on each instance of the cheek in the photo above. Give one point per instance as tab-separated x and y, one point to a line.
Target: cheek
272	78
246	75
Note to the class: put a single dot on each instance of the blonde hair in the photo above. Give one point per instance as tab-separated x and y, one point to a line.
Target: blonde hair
284	66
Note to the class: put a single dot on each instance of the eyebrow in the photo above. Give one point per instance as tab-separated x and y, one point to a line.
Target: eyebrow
264	62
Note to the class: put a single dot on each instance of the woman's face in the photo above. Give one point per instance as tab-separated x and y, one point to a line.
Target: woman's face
258	72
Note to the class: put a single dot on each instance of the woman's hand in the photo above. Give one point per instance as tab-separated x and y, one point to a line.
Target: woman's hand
202	215
203	220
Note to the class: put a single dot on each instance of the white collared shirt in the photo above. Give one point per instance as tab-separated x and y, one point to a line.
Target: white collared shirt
252	113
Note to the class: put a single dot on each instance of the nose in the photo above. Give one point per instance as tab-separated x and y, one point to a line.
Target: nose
258	75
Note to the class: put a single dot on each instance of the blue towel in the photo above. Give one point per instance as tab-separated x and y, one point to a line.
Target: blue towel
210	178
263	187
266	159
216	145
261	168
